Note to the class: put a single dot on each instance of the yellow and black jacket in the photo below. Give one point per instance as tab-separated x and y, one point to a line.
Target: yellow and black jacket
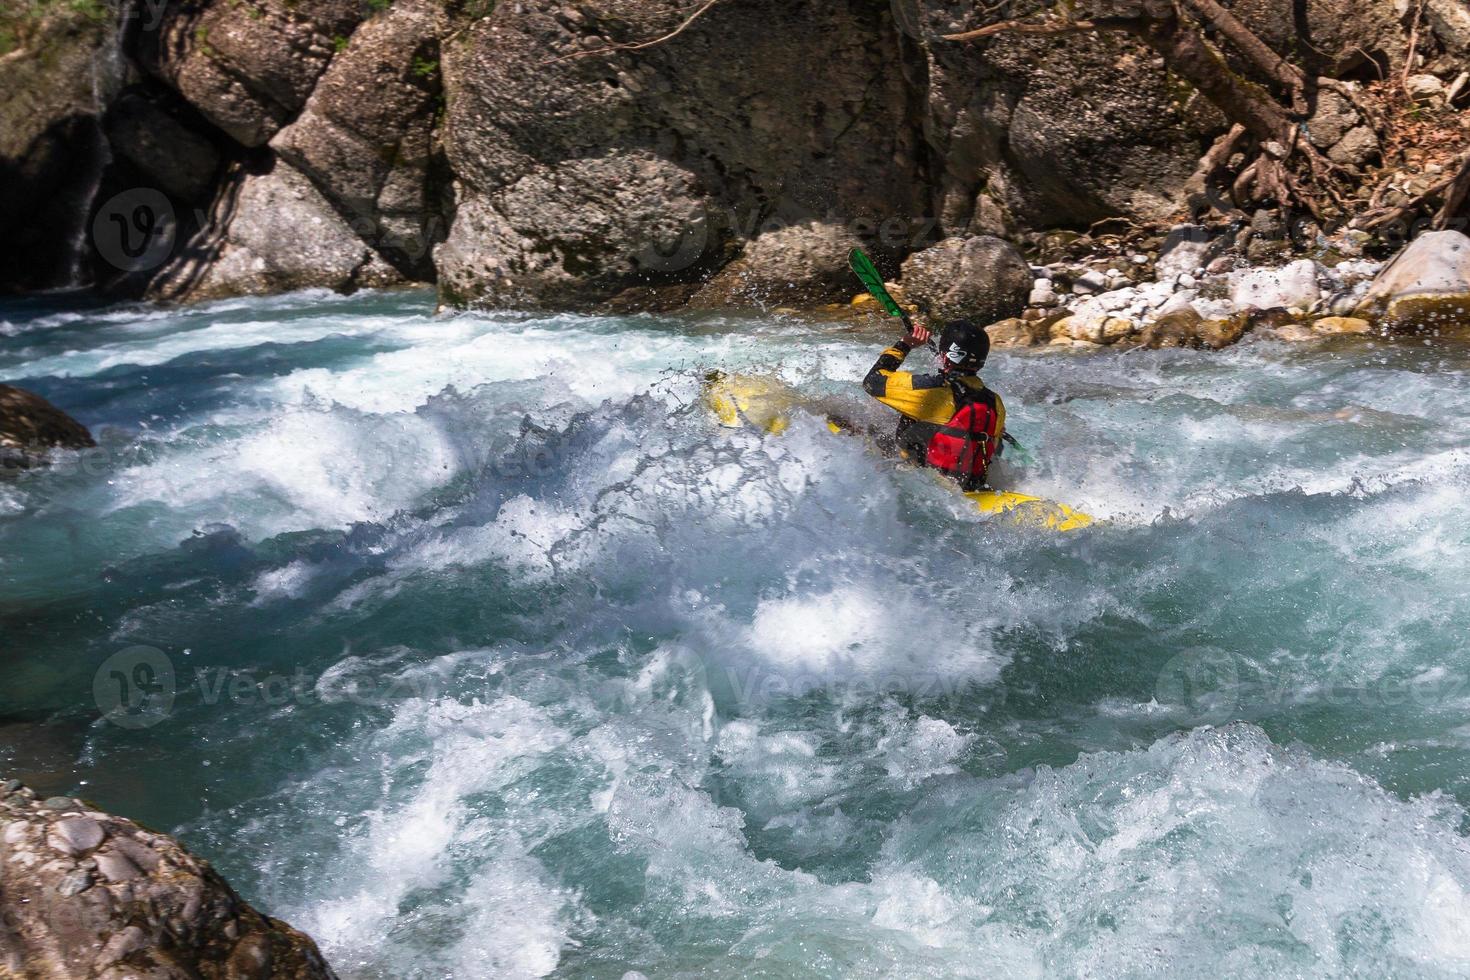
928	404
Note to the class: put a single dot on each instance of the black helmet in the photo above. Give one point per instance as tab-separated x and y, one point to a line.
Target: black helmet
963	345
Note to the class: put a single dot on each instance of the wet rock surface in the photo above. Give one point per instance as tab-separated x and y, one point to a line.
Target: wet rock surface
85	894
30	426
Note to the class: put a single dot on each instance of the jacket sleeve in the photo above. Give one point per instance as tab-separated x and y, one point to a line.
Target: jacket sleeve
895	389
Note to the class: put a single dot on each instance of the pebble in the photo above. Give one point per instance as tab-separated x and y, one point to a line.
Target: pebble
1089	282
75	835
9	786
1186	281
116	867
74	883
61	803
140	854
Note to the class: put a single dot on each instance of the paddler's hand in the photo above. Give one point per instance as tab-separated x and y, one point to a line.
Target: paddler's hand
918	336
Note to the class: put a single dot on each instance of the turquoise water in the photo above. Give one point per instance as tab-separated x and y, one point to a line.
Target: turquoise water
490	656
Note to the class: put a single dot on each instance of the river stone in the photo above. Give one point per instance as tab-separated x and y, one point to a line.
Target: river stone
174	920
1357	146
115	866
74	883
981	278
1187	248
1291	286
1450	21
75	835
1341	324
1425	286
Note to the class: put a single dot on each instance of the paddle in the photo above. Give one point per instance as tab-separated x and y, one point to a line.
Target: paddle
868	273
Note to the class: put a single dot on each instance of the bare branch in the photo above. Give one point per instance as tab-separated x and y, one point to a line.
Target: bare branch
1051	27
639	46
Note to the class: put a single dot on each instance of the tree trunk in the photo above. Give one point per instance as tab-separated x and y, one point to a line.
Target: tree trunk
1190	56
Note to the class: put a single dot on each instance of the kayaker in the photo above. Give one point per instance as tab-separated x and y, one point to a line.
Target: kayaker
950	420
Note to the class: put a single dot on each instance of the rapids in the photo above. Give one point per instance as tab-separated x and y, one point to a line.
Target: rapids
475	650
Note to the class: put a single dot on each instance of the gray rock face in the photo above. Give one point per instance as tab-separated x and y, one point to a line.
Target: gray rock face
284	235
581	178
365	136
344	143
30	425
982	278
1344	34
249	71
51	147
87	894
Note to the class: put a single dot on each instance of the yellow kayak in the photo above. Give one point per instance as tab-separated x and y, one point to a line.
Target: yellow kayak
738	400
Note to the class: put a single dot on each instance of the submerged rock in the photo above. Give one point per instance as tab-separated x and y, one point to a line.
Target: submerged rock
1425	287
30	425
87	894
983	278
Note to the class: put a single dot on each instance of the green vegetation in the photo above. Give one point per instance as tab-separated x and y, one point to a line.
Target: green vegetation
21	19
425	68
339	44
378	6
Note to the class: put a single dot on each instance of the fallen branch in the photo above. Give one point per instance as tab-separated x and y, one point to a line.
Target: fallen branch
640	45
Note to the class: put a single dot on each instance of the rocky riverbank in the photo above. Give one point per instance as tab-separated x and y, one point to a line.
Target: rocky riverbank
87	894
653	155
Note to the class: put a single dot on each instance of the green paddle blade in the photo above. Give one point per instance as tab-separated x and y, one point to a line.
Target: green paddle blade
868	273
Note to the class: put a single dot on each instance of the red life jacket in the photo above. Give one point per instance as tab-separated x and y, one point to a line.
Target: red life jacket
964	446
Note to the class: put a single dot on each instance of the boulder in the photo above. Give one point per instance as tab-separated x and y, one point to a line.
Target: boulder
87	894
1425	287
174	158
30	425
581	178
982	278
284	235
1290	286
1450	21
248	70
796	264
365	136
1345	35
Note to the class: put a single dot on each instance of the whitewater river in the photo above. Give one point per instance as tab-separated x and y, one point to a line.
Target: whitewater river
470	646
